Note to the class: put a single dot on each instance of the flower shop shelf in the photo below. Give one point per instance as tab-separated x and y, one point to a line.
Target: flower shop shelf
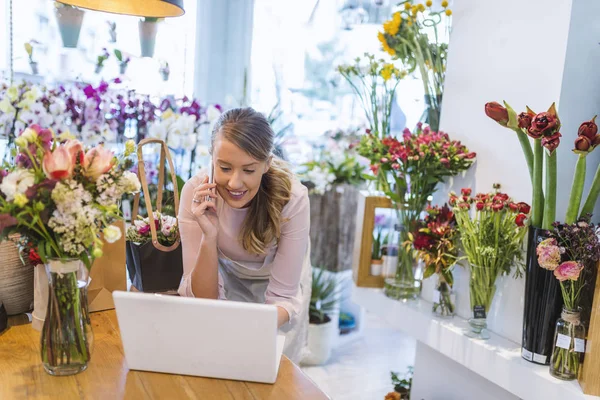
497	360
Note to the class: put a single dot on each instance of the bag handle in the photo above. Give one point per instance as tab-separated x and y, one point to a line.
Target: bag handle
164	154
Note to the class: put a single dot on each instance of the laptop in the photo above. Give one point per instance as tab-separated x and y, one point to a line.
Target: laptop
200	337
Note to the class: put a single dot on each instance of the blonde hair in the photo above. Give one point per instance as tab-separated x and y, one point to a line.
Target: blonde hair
250	131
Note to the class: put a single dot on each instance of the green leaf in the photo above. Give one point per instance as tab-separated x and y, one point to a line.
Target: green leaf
513	120
119	55
86	260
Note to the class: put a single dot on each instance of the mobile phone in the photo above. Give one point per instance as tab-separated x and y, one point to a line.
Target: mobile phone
211	177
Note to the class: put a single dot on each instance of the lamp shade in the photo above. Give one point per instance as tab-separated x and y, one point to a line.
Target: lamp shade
140	8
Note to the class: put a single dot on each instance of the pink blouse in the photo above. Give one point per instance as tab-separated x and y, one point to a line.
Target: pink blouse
286	257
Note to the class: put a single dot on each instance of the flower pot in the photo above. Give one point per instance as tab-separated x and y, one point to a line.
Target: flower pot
165	75
16	280
67	337
321	338
122	69
98	69
147	37
376	267
34	67
69	24
543	302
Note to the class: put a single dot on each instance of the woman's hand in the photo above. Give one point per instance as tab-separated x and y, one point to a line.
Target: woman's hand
206	211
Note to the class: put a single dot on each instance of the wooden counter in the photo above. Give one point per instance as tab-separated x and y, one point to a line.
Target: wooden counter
22	375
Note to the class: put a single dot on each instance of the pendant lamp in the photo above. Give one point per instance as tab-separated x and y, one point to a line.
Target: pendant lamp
140	8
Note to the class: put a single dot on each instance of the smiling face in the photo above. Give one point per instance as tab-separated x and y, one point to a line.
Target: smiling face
237	174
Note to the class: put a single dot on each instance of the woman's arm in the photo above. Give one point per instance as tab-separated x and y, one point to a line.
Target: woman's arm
200	259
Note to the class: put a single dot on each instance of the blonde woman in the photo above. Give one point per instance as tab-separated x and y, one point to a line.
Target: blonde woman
250	241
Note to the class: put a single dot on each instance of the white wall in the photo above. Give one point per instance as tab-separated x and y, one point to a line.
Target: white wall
223	46
527	53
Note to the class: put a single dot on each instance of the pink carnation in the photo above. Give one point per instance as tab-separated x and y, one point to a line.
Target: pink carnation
548	254
568	270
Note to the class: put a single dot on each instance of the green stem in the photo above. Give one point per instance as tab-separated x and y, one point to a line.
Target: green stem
592	198
527	152
576	190
538	193
550	202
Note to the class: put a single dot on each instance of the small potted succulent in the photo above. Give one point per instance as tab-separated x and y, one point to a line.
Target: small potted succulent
29	50
69	21
148	27
123	61
100	60
164	70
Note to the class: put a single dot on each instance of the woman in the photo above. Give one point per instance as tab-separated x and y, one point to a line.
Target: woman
245	237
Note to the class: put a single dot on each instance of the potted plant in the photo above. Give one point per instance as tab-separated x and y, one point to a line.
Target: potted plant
322	328
123	61
29	50
164	70
376	256
401	385
148	26
112	31
69	21
100	60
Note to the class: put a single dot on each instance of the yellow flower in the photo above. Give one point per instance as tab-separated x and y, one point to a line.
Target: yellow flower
385	45
21	142
167	114
28	49
66	135
20	200
414	10
429	3
12	93
97	252
391	27
129	147
407	6
444	4
421	7
448	12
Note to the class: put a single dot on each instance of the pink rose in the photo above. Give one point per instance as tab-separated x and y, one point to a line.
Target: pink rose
58	164
97	161
569	270
548	254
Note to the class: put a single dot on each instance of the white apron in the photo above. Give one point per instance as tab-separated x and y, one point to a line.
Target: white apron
248	282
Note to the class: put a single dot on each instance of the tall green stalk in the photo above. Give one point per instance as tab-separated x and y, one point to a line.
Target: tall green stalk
592	198
576	190
526	146
538	193
550	202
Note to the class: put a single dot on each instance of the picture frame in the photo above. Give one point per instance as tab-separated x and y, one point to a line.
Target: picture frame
368	203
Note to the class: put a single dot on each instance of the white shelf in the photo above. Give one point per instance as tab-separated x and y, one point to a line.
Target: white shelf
498	359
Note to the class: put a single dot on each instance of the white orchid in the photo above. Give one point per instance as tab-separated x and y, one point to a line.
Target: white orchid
17	182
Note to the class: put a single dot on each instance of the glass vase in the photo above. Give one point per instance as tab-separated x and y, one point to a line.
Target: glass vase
66	336
406	285
443	304
569	345
481	292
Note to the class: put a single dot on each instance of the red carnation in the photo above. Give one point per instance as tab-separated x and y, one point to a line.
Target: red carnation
520	219
524	208
34	258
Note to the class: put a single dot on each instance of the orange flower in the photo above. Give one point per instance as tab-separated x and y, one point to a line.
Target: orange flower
97	161
58	164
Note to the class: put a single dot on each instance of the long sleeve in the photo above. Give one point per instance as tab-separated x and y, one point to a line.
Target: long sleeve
284	284
191	237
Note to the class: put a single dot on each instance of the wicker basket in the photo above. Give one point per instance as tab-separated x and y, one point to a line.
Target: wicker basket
16	280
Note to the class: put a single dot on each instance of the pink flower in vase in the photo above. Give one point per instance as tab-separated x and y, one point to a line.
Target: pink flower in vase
143	227
569	270
548	254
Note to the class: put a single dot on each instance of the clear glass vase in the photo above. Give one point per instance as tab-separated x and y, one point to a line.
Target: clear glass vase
482	288
406	285
67	336
444	307
569	345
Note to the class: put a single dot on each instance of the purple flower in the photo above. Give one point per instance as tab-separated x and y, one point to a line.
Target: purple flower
89	92
117	80
379	219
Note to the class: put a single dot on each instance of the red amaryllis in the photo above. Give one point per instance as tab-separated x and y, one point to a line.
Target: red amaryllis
497	112
466	191
543	124
525	119
588	129
582	143
551	142
520	219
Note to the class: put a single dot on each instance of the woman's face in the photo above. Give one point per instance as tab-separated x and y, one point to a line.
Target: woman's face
236	173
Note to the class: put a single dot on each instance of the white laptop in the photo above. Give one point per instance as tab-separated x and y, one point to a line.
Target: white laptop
200	337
